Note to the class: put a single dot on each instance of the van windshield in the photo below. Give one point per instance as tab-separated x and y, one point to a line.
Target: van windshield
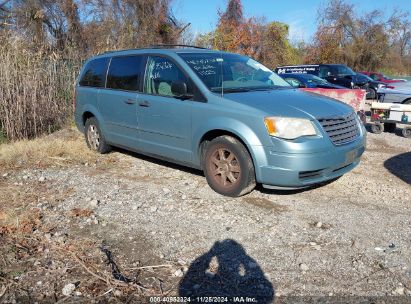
222	72
315	79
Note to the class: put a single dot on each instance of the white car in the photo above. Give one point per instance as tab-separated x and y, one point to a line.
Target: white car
401	93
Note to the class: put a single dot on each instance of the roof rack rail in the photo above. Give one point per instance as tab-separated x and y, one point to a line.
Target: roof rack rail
158	46
176	45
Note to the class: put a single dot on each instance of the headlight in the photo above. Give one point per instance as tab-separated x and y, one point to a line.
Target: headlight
380	86
289	128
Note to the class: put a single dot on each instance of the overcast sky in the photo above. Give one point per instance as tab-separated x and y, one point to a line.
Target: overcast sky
299	14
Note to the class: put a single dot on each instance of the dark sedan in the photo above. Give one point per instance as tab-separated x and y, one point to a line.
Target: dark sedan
309	81
373	85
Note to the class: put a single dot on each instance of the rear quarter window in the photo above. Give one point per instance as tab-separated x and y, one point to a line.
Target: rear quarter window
125	73
94	73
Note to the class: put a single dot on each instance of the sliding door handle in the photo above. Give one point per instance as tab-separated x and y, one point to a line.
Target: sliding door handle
130	101
144	103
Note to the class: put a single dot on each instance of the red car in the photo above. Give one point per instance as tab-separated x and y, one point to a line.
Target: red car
381	77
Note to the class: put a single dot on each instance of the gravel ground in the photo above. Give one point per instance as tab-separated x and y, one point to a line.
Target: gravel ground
351	237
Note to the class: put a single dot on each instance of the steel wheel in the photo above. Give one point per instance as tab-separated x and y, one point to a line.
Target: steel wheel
224	167
377	128
406	132
93	137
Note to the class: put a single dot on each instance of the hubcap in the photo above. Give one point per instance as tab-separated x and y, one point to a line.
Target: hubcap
224	167
93	137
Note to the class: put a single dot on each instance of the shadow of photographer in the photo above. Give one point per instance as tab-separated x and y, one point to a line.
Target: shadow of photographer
400	166
226	271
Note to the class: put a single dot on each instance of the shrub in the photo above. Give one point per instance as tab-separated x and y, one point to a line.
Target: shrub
36	90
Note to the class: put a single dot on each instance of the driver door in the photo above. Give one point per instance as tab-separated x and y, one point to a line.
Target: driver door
164	121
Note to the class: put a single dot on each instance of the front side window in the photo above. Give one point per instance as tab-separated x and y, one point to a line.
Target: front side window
161	72
124	73
95	73
222	72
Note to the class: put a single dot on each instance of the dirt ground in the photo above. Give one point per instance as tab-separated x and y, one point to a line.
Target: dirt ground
121	227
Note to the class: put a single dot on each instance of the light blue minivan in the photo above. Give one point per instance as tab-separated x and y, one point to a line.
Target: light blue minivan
223	113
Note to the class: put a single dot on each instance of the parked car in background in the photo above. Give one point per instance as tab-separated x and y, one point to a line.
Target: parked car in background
223	113
309	81
401	94
381	77
338	74
373	85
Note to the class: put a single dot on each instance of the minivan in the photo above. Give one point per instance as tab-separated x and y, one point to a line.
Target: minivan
223	113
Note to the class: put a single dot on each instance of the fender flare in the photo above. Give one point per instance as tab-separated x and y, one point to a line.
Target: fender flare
93	110
229	125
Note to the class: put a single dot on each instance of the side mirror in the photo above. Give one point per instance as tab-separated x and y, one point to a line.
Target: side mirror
302	85
179	90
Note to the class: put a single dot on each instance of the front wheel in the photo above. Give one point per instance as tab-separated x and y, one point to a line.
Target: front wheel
228	167
372	94
377	128
94	137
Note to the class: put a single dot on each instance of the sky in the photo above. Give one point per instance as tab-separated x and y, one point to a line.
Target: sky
300	15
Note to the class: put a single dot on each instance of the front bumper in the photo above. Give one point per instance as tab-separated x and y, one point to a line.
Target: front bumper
297	170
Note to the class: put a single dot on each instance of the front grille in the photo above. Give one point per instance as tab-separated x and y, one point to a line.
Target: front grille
341	130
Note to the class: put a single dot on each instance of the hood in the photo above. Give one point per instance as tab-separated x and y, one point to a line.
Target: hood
291	103
359	80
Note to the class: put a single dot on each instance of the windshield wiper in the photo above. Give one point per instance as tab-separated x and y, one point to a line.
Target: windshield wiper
248	89
230	90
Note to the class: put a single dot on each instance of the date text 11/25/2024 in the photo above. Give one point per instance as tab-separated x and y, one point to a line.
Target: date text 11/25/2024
203	300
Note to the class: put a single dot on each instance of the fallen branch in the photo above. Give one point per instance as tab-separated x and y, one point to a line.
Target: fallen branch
154	266
107	280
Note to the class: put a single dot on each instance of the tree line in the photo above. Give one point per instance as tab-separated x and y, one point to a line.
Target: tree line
44	42
369	41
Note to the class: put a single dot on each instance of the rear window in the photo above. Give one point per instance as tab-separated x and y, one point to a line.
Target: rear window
94	73
125	73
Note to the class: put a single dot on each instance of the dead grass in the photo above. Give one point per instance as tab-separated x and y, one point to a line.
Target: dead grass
41	248
62	149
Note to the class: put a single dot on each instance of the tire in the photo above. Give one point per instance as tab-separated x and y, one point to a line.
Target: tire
390	127
406	132
228	167
373	93
94	137
377	128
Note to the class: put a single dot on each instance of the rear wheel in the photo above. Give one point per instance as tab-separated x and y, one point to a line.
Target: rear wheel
94	137
377	128
228	167
406	132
